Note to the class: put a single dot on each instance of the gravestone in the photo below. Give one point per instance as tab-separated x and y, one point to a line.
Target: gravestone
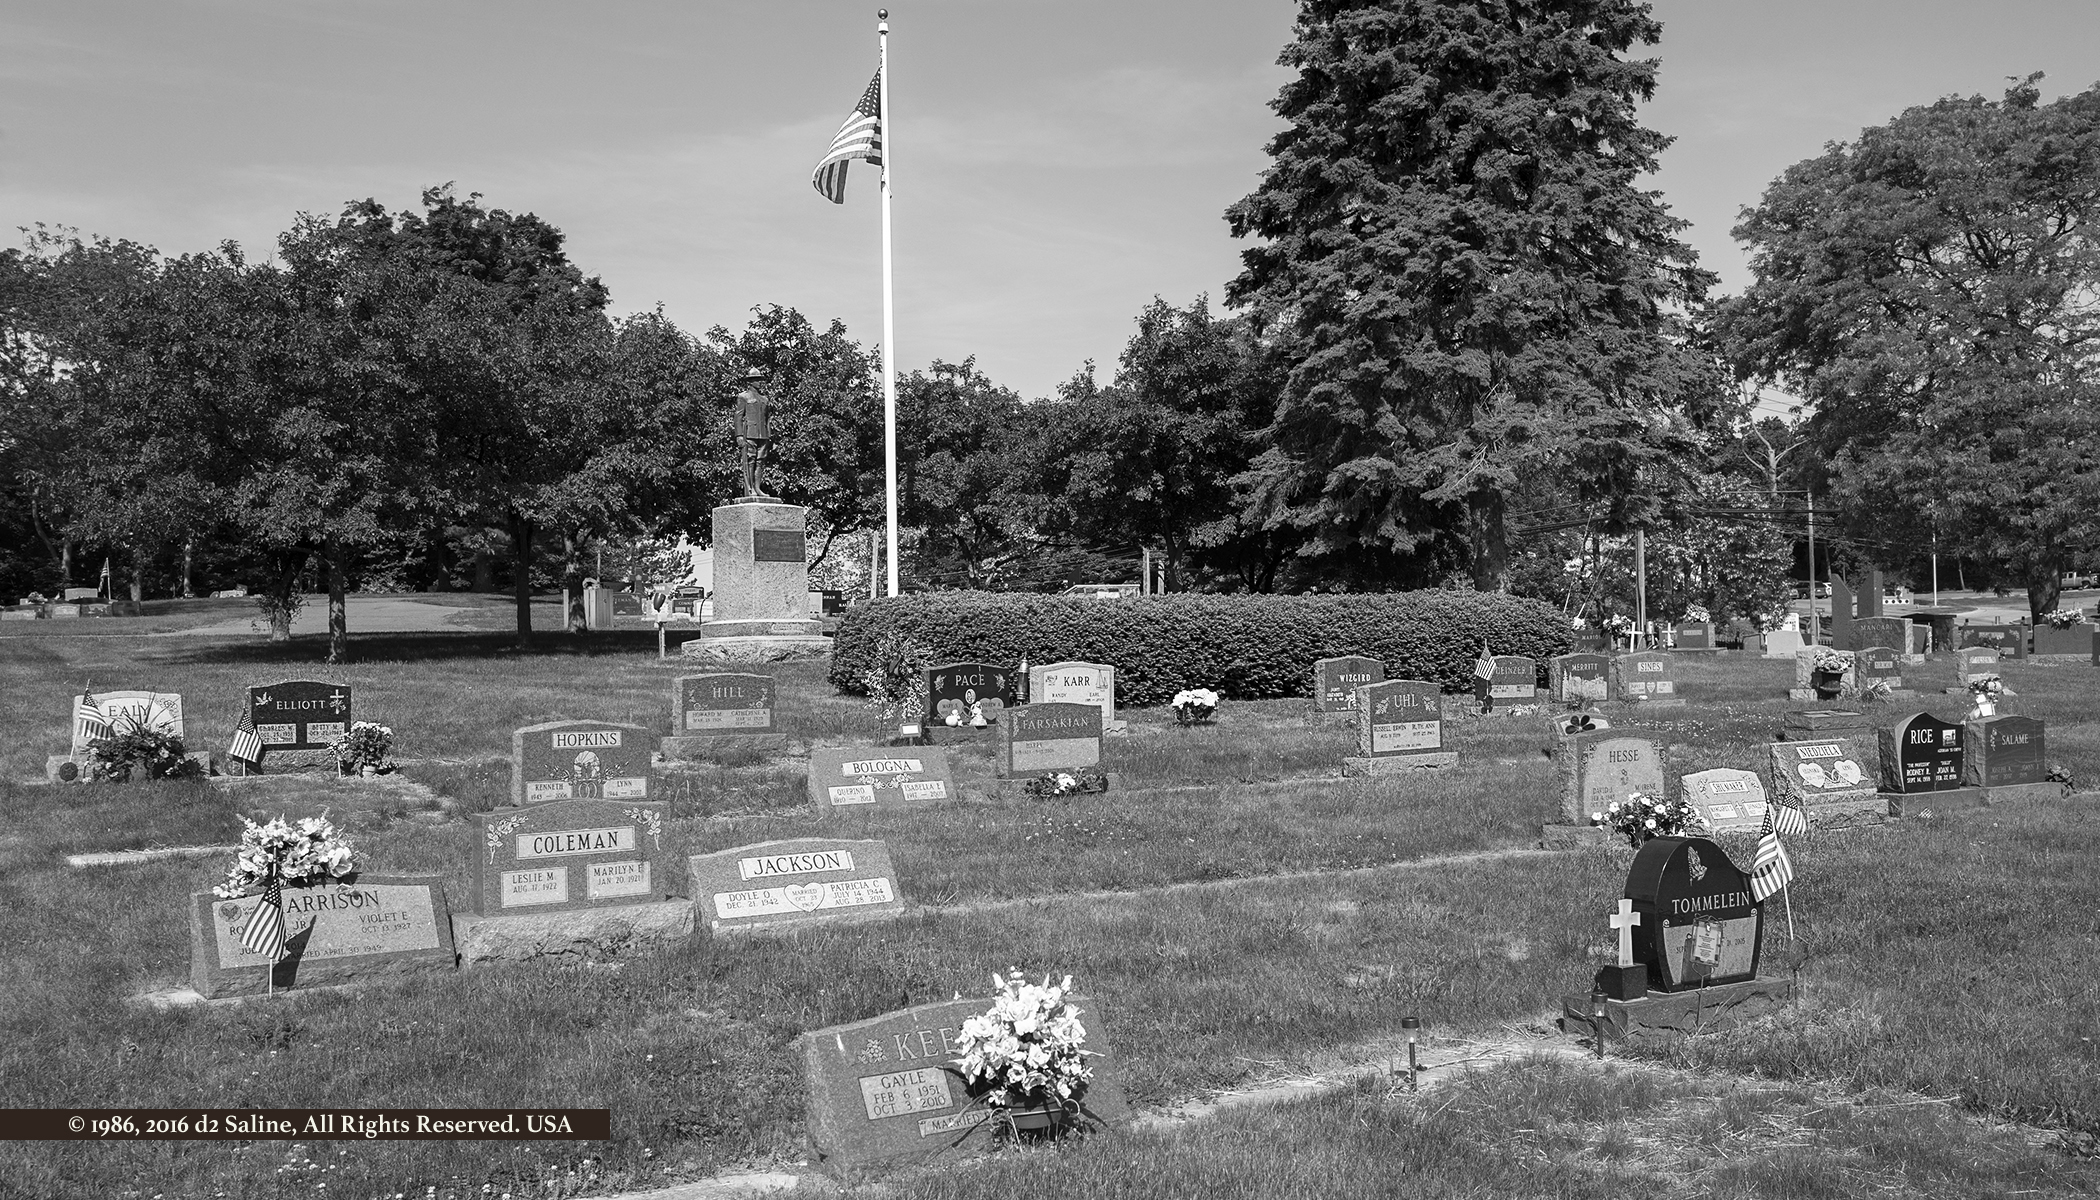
579	760
1335	681
1829	779
1036	738
1881	631
797	881
1809	724
571	878
1605	766
1696	637
1844	631
1399	727
1078	683
761	587
1645	677
1879	664
2096	647
298	722
1515	683
2060	641
1975	662
1729	799
374	927
1580	678
851	778
2010	641
1782	643
2006	757
885	1090
724	713
1921	762
965	691
105	713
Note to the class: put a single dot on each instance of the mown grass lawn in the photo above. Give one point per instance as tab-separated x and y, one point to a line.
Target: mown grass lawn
1240	912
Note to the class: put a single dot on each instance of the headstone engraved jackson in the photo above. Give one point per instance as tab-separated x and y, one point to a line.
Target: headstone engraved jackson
580	760
1829	779
719	713
1729	799
1078	683
967	692
798	880
373	927
868	776
2006	757
1335	681
1921	766
1399	727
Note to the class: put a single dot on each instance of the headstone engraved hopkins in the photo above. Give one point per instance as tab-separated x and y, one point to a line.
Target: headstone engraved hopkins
1921	762
966	691
719	713
885	1090
570	854
1049	737
1580	678
795	881
580	760
1729	799
373	927
2006	758
1603	767
1645	677
1399	727
1335	681
104	713
1078	683
1829	779
865	775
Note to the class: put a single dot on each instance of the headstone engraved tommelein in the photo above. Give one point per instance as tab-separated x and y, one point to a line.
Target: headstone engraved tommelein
861	777
104	714
1831	781
580	760
885	1090
1698	931
571	877
967	691
1645	677
1921	767
1335	681
721	713
1039	738
2006	757
1729	799
1399	727
796	881
370	928
298	722
1580	678
1513	687
1078	683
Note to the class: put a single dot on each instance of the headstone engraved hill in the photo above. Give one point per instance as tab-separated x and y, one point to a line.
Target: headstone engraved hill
1600	768
863	777
1829	779
1399	727
2006	757
105	713
373	927
1645	677
1729	799
885	1090
298	722
1580	678
1335	681
580	760
795	881
1922	766
966	691
1036	738
723	713
1078	683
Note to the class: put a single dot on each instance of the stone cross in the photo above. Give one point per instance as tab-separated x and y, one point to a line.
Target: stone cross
1624	920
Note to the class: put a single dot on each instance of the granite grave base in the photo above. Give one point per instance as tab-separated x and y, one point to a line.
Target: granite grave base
586	934
1399	764
83	767
1847	813
1664	1015
2007	793
701	749
1573	837
756	648
1817	720
1913	804
1626	706
286	762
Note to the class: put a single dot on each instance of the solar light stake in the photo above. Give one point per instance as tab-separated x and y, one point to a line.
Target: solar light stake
1413	1026
1597	1018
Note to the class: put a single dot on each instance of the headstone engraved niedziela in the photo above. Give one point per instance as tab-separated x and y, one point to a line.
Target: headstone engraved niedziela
797	880
959	693
867	775
1730	800
371	927
723	711
1077	683
1335	681
1700	926
570	854
1828	779
1606	766
886	1090
1399	726
580	760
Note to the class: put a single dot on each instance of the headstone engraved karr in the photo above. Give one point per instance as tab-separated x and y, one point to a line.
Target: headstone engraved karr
1078	683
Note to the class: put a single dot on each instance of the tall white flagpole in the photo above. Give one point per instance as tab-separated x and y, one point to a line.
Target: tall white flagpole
889	322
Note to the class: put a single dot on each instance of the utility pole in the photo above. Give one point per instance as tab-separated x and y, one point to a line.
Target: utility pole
1640	587
1815	626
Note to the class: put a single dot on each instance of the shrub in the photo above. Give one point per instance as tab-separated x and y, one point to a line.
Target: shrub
1247	647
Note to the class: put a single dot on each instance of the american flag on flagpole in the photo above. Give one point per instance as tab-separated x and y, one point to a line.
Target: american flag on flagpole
88	721
1772	869
247	745
265	932
859	137
1784	814
1484	666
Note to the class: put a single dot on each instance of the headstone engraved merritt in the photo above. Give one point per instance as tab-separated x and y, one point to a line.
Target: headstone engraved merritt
373	927
1645	677
1078	683
1830	779
1581	678
2006	757
720	713
967	691
869	776
1335	681
1399	727
1921	766
580	760
1728	798
799	880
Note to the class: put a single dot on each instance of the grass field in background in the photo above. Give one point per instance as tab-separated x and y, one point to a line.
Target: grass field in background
1949	956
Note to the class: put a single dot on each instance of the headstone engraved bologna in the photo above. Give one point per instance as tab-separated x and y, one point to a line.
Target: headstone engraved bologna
868	776
580	760
570	854
796	880
373	927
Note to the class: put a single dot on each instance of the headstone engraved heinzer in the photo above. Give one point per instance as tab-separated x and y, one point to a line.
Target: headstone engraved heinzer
1335	681
719	713
1399	727
1830	780
2006	757
1514	683
798	880
866	775
373	927
580	760
1730	799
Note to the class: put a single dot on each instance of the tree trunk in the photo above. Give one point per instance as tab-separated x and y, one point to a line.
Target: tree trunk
189	556
281	589
338	609
572	618
2045	589
521	585
65	565
1490	543
484	570
138	577
1175	551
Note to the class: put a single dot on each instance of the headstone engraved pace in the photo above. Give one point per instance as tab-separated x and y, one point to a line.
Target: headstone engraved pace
959	694
580	760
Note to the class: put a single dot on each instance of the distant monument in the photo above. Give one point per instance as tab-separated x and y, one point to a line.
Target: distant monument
761	565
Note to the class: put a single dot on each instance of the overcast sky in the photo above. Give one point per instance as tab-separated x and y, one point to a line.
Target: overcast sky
1057	164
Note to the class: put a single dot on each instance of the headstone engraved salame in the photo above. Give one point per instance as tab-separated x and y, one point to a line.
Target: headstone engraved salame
1729	799
885	1090
1921	766
1078	683
1399	727
719	713
798	880
1830	781
2006	757
580	760
1335	681
372	927
868	776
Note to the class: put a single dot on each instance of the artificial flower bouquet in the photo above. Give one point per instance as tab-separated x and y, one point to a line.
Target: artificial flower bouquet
1066	783
1025	1056
1638	818
1194	704
363	749
306	854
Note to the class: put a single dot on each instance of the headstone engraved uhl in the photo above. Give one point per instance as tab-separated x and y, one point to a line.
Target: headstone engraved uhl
580	760
1399	727
865	776
799	880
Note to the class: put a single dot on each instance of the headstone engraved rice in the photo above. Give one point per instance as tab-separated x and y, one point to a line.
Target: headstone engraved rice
580	760
1729	799
570	854
1580	678
723	711
2006	752
1830	780
1077	683
1607	766
1700	926
885	1090
1335	681
967	689
798	880
864	777
1879	664
373	927
1644	677
1921	754
1036	738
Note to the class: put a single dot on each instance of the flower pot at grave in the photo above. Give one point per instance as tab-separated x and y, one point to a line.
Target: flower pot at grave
1194	714
1828	684
1984	708
1044	1122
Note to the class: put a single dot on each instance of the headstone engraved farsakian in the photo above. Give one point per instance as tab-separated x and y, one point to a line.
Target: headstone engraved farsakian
1830	779
724	712
374	927
580	760
1399	727
798	880
1729	799
1335	681
864	777
1036	738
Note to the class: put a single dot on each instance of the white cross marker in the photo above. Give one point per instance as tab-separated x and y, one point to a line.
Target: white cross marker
1624	920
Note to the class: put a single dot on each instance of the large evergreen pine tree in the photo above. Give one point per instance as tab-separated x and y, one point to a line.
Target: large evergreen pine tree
1472	289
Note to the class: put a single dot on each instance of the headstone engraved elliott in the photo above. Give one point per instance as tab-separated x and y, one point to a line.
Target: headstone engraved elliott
723	712
1921	766
373	927
1606	766
570	854
1399	727
1335	681
874	776
1580	678
1830	779
798	880
580	760
1035	738
2006	757
1728	798
885	1090
1515	682
298	722
969	690
104	713
1078	683
1645	677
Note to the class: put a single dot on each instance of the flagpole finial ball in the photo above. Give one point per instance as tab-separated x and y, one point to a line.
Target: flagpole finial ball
882	14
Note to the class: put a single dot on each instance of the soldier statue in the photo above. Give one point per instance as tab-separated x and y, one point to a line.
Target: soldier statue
754	429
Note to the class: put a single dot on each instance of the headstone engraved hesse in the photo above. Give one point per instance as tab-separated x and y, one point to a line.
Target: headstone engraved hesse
796	880
722	712
570	854
580	760
1049	737
866	775
2006	758
370	928
885	1089
1829	778
1604	767
1399	726
1580	678
968	690
1077	683
1335	681
1729	799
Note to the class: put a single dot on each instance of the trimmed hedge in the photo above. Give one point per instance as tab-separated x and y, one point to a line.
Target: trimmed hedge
1248	647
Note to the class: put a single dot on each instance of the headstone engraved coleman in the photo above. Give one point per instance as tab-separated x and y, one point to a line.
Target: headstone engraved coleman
571	854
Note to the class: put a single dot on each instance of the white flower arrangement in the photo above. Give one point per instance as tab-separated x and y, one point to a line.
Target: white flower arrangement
1697	615
1024	1053
1194	704
1640	817
310	853
1987	687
